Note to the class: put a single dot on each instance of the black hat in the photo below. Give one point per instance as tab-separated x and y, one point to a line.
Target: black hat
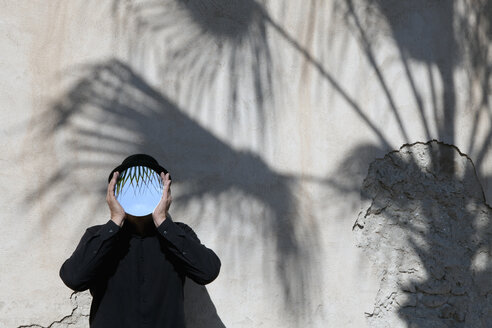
139	160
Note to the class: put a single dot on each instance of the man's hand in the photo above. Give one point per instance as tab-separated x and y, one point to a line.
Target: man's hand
117	212
160	212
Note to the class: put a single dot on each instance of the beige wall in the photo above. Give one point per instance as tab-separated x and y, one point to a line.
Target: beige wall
268	114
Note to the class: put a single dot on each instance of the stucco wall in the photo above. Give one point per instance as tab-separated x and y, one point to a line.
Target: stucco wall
267	113
427	232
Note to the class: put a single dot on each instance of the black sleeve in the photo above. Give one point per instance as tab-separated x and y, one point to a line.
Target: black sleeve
200	263
80	269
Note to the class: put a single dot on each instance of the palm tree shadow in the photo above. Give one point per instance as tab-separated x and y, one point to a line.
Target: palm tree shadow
441	36
126	115
191	42
428	231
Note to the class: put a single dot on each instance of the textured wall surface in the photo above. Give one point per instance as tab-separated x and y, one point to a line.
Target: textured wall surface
268	114
79	318
427	232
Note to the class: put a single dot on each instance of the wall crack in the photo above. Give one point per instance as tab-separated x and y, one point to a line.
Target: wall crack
425	232
78	318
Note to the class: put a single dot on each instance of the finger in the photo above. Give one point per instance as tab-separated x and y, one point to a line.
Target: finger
112	184
167	185
168	181
109	184
165	179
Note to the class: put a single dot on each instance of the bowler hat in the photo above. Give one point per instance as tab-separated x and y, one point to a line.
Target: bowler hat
139	160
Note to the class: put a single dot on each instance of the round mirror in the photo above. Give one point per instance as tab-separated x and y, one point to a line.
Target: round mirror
139	190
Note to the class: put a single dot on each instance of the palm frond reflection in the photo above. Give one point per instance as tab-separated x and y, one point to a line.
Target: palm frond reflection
139	178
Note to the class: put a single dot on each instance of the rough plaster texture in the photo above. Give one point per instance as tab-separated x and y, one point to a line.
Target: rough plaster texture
266	112
79	318
427	232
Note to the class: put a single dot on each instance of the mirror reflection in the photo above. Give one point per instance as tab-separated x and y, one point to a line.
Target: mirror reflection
139	190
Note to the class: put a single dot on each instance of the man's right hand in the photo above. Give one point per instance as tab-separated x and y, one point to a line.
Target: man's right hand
117	212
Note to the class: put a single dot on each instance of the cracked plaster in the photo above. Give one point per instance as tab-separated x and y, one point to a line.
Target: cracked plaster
79	318
427	232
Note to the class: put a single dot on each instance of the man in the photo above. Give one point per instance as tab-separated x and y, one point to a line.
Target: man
135	267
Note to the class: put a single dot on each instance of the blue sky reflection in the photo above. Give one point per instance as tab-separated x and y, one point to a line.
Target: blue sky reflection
139	190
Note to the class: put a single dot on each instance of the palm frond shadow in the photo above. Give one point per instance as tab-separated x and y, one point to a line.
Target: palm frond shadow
192	42
120	99
442	225
128	116
447	38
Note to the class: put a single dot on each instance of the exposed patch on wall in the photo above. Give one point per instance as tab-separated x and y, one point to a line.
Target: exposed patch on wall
428	234
79	318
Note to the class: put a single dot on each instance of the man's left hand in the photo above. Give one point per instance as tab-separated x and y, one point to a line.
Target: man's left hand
160	212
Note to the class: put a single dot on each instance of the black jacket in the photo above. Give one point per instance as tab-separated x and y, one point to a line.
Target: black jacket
138	281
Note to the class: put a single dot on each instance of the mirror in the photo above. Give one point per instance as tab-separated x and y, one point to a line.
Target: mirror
139	190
